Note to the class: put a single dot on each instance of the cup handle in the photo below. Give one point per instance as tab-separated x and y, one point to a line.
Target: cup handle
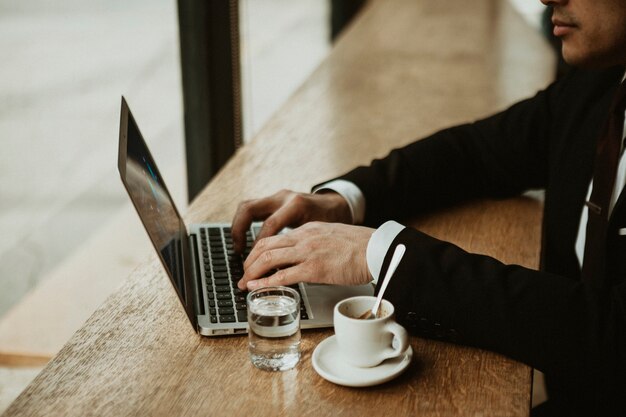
401	335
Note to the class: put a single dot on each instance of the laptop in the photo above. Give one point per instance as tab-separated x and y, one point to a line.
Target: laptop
199	258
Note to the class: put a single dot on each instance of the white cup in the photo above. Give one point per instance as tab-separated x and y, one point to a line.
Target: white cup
367	342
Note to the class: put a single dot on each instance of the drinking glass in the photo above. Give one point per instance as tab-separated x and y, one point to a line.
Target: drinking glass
274	333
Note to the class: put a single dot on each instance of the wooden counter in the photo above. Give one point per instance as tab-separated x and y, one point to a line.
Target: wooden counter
405	69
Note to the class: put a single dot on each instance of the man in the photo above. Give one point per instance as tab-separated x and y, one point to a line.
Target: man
569	324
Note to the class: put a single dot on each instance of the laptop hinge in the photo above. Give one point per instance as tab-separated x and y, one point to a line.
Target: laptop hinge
197	274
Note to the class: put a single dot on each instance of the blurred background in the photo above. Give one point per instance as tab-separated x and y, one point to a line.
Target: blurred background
68	234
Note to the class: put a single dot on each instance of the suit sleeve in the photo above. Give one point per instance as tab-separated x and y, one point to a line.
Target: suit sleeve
500	156
557	325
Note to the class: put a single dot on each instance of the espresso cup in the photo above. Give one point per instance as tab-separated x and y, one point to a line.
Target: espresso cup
365	343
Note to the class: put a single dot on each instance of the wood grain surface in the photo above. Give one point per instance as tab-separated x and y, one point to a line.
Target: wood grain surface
404	69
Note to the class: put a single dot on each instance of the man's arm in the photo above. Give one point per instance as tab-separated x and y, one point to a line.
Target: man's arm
491	157
500	156
560	326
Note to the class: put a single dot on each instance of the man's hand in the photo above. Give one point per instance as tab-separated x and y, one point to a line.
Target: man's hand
328	253
287	209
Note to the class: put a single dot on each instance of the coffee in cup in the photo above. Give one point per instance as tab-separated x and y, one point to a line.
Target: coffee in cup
368	342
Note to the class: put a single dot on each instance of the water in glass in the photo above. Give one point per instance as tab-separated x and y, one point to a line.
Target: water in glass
274	336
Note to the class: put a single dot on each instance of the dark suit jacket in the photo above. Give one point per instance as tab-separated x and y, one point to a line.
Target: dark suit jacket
549	319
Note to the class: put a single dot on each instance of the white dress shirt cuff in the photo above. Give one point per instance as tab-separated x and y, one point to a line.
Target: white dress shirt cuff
379	245
352	194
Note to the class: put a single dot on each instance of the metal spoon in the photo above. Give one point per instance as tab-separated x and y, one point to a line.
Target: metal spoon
395	260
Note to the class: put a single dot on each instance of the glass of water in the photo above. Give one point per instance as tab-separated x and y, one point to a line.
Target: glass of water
274	334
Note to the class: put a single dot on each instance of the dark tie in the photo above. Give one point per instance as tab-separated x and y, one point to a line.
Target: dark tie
606	160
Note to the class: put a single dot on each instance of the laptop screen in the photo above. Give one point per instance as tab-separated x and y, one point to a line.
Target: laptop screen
154	204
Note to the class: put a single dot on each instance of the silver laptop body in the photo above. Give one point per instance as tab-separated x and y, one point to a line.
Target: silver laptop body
191	256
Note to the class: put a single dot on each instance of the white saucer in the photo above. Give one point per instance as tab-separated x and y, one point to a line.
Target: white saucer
327	361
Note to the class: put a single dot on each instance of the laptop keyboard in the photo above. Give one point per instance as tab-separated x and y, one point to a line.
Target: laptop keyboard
223	269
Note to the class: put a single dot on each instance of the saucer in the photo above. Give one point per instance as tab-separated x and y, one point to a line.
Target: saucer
327	361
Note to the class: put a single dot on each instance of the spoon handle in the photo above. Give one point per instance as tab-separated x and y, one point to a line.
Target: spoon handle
395	260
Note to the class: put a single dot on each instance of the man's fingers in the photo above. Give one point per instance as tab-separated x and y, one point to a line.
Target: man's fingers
287	276
267	261
286	216
271	257
247	212
267	244
241	223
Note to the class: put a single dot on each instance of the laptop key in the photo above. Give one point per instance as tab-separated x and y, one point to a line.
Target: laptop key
224	303
241	306
227	319
226	311
213	319
222	289
224	296
242	316
222	281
